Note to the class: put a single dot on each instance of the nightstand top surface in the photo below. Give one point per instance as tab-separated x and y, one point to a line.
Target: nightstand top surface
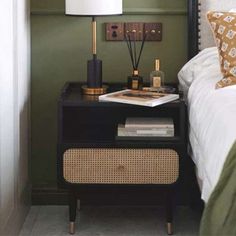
71	94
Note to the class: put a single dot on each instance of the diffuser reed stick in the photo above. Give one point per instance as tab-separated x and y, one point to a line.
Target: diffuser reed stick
141	50
133	50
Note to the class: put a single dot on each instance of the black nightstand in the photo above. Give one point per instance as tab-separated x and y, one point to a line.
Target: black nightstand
90	155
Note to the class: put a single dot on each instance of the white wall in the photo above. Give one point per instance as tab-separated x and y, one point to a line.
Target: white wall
14	114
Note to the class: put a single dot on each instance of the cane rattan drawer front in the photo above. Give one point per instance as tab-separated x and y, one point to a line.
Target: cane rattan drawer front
120	166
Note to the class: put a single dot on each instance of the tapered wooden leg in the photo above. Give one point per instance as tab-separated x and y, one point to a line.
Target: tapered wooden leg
169	210
72	212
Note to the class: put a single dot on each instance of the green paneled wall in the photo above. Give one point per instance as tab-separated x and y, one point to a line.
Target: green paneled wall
60	47
59	4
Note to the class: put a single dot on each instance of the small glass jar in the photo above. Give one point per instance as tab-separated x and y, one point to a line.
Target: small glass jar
135	81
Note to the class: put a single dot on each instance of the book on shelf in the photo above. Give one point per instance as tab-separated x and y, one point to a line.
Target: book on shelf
139	97
144	132
147	127
149	122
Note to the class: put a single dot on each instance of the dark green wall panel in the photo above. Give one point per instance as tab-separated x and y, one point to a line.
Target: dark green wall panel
59	4
61	46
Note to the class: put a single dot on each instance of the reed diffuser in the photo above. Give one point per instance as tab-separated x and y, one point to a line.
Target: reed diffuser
135	81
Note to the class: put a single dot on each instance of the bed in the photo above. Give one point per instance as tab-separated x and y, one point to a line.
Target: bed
212	116
212	120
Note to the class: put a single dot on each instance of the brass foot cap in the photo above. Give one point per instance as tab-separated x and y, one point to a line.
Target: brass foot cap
94	91
169	228
72	228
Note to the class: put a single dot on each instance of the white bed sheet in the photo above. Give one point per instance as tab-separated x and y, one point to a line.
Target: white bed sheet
212	125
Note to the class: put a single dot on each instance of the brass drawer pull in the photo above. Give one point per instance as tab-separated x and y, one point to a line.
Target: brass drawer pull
121	168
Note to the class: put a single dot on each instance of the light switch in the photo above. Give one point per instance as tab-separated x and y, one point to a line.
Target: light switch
134	30
115	31
153	31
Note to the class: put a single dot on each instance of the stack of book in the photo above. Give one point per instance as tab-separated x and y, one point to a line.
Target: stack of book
146	127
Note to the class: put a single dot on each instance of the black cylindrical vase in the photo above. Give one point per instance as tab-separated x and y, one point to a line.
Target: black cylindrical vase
94	73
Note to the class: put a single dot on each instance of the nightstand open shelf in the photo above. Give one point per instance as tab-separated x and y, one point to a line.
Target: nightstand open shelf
88	143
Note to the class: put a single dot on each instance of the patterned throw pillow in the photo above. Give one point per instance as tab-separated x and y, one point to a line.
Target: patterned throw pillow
223	25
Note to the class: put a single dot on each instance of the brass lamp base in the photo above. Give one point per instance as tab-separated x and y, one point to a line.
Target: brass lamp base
94	91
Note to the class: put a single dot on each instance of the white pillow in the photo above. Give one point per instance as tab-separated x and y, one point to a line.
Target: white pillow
192	68
233	10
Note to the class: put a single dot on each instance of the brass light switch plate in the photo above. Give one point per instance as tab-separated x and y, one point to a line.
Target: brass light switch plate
134	30
153	31
115	31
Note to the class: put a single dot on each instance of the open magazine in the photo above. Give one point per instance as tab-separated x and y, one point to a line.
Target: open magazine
139	97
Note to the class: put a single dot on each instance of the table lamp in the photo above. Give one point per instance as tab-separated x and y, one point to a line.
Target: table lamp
94	8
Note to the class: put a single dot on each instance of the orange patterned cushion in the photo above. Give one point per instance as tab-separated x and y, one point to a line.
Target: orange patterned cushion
223	25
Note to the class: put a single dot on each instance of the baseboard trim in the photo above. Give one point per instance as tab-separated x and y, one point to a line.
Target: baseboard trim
103	197
49	196
54	196
127	11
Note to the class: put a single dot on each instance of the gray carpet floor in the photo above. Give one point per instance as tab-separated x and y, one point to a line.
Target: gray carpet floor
109	221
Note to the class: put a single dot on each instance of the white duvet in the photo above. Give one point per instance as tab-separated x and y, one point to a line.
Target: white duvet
212	117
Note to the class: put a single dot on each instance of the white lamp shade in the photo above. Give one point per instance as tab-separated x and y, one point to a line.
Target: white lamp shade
94	7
